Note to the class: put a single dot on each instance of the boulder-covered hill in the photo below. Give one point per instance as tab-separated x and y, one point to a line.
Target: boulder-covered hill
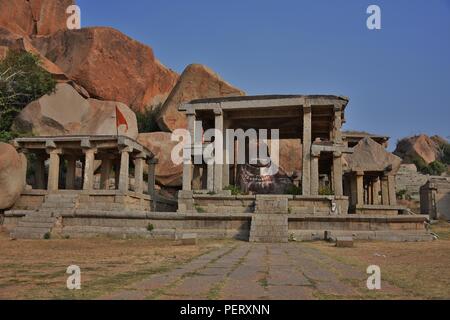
429	149
109	65
34	17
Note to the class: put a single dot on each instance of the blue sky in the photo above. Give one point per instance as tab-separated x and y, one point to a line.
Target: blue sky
398	78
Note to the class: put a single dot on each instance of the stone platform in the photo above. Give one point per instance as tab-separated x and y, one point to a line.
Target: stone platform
82	223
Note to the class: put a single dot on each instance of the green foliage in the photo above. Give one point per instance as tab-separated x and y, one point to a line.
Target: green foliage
436	168
235	190
22	80
47	236
294	190
421	165
445	156
199	209
150	227
147	120
326	191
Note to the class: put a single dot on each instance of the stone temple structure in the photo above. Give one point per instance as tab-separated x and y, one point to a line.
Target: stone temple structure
342	189
343	183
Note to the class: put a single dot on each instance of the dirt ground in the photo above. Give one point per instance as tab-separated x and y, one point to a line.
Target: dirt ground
36	269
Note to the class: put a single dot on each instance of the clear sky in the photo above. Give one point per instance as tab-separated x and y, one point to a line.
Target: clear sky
398	78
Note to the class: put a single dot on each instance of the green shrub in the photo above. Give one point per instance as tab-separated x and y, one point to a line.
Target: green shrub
47	236
150	227
437	168
326	191
22	80
235	190
147	120
294	190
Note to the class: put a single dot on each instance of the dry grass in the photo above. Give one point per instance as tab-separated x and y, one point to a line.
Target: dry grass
421	269
36	269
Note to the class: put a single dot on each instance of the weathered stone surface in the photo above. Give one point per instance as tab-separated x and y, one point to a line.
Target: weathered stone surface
109	65
167	173
371	156
421	146
291	156
66	112
13	169
196	82
34	17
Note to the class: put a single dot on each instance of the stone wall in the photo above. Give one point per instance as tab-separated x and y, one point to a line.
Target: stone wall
321	205
410	181
435	198
88	223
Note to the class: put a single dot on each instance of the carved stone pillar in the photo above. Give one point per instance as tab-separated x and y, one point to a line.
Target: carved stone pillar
306	175
315	173
218	167
89	164
53	170
139	173
337	174
360	188
124	170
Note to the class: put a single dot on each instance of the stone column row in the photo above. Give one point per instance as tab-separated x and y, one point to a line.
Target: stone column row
385	184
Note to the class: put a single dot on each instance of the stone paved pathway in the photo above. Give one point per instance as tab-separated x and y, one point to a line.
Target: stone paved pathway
244	271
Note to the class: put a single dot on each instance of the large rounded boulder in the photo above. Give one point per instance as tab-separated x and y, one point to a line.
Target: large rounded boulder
168	174
13	169
66	112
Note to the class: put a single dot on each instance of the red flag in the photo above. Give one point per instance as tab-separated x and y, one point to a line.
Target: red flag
120	119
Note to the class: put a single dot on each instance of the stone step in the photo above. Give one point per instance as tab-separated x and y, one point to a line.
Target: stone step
36	224
58	205
27	235
269	228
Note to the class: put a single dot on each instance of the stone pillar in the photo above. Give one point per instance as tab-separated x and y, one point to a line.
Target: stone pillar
124	170
105	173
384	190
376	191
392	191
53	170
209	175
40	173
188	167
337	133
89	165
139	173
360	188
315	173
218	167
152	181
337	174
306	174
71	173
116	174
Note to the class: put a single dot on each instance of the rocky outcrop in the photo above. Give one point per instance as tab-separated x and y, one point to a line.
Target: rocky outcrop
291	157
12	41
371	156
196	82
13	169
421	146
66	112
167	173
109	65
34	17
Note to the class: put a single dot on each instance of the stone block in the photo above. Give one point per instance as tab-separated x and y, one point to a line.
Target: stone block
189	239
344	242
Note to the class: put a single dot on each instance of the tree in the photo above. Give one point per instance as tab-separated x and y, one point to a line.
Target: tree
22	80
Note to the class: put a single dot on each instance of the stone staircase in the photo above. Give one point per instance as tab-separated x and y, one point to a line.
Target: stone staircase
270	220
38	224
